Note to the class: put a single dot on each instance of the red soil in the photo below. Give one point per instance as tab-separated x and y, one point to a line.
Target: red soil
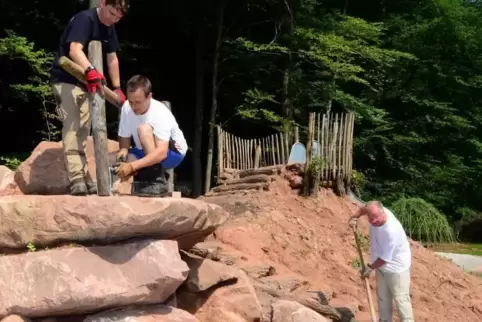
310	238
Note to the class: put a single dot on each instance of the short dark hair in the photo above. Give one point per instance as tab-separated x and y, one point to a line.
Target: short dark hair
123	5
137	81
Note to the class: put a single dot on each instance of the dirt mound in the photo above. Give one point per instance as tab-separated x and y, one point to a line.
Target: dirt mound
309	241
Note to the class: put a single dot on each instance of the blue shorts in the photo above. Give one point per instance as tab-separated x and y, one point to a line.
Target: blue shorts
172	160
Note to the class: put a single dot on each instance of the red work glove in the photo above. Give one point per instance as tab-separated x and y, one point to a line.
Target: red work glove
120	93
95	81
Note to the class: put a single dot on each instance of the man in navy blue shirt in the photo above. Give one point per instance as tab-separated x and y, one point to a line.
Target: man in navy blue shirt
71	95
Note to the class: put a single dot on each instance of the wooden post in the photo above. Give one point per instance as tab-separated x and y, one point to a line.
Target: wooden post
297	134
220	152
99	127
307	180
257	155
170	182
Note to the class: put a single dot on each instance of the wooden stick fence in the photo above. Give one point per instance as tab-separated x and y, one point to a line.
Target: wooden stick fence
334	134
235	153
332	131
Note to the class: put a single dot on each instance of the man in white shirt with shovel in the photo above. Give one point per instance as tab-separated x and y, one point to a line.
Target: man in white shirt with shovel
390	259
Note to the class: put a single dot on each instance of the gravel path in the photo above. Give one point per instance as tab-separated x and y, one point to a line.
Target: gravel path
467	262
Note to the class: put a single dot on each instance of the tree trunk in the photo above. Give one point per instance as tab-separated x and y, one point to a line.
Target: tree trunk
198	119
214	98
286	106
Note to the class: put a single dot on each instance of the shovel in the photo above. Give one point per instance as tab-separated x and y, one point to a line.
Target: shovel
367	284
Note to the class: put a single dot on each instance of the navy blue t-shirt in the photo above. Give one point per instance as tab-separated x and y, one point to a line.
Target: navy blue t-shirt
83	27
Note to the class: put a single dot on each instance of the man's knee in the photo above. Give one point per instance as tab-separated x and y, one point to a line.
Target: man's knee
145	130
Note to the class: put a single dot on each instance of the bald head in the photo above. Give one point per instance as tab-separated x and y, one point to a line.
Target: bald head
375	213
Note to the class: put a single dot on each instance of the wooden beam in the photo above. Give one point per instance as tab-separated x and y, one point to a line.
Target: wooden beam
75	70
99	127
170	182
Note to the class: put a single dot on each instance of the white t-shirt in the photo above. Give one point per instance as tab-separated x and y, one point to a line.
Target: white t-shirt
390	243
163	123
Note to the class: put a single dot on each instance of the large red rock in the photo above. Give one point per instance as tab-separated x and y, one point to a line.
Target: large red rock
205	273
43	172
7	182
151	313
49	220
236	302
70	281
289	311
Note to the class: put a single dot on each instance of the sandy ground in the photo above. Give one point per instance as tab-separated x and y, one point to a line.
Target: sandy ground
311	238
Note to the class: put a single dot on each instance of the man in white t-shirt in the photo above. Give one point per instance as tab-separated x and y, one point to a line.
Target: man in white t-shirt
153	128
391	258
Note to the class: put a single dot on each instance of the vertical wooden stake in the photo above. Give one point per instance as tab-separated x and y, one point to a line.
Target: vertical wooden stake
287	147
99	126
220	152
283	155
278	150
170	172
323	147
307	177
257	155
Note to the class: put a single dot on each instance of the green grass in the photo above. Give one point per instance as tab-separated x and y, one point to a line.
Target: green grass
458	248
422	221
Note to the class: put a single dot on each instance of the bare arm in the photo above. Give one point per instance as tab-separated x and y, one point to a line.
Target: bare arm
360	212
113	66
124	143
156	156
376	264
78	56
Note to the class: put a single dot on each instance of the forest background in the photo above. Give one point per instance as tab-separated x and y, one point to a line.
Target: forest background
411	71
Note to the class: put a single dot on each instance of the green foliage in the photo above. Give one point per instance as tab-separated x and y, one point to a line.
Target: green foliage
422	221
31	247
356	263
468	227
358	182
316	165
17	48
11	162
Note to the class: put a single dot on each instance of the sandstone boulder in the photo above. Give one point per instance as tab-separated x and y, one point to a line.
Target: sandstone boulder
289	311
151	313
205	273
48	220
15	318
7	182
69	281
5	176
43	172
232	303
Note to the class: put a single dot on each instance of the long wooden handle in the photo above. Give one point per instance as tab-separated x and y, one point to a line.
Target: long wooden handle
367	283
370	301
75	70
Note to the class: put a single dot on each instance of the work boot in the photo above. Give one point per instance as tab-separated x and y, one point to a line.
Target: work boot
78	187
91	186
150	182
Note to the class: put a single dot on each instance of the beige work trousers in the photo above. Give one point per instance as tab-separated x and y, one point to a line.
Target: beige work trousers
394	287
73	110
